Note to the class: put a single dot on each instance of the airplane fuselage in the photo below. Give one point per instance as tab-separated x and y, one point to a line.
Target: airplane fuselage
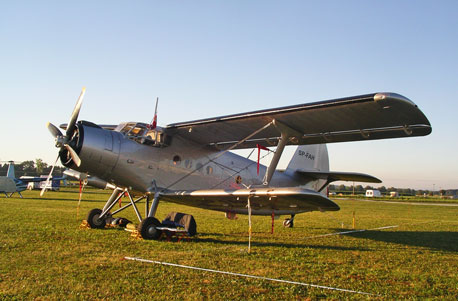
123	161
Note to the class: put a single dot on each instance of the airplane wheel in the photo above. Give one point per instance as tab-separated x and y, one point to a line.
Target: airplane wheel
147	228
93	219
288	223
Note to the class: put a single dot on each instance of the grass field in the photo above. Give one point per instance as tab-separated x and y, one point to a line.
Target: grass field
45	255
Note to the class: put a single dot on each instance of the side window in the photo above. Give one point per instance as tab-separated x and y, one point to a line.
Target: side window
176	160
188	163
209	170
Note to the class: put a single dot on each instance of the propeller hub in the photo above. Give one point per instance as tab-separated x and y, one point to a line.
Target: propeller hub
60	141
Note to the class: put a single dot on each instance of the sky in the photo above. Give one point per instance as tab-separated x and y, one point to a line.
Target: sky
212	58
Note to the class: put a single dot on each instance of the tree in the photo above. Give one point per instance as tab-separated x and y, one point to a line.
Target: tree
40	165
342	188
359	188
382	189
28	165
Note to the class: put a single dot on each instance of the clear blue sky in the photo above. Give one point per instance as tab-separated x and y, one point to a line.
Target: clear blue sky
210	58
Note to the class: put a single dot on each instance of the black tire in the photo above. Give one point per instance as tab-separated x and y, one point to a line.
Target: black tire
94	221
147	228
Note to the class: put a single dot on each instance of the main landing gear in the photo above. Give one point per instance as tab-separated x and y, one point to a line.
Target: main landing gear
94	220
147	228
97	218
289	222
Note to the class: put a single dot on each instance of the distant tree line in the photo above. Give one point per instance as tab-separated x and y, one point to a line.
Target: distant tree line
31	168
359	189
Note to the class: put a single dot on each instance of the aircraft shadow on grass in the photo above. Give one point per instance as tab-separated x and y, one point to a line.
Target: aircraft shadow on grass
441	240
274	244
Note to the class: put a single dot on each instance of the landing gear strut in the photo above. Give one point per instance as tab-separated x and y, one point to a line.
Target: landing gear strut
289	222
147	227
98	218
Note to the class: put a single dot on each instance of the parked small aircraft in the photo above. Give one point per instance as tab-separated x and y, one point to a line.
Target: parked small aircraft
190	162
9	184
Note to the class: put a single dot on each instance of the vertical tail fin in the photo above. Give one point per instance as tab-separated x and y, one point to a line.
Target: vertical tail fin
310	157
10	173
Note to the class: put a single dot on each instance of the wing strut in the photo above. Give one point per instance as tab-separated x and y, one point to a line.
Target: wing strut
286	133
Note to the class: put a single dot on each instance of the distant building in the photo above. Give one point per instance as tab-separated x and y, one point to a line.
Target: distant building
373	193
394	194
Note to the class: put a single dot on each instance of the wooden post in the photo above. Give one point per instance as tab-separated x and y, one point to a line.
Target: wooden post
249	225
354	221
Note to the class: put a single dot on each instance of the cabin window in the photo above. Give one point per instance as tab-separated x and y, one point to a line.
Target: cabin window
188	163
209	170
176	160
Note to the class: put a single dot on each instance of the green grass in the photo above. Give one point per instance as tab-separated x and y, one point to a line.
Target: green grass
45	255
416	199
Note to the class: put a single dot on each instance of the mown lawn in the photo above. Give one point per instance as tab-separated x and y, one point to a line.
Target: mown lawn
45	255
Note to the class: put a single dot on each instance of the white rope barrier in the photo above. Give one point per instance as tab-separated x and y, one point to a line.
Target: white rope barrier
352	231
247	276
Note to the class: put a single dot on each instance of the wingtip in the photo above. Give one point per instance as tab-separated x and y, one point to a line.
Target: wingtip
386	95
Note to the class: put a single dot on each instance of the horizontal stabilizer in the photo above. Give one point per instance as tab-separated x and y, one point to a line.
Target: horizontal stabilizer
264	201
332	176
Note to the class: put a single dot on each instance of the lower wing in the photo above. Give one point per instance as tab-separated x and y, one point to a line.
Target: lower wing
263	201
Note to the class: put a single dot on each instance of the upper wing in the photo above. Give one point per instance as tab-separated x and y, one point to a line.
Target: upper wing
263	200
365	117
333	176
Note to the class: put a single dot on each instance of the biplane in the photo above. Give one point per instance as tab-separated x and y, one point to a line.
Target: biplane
191	162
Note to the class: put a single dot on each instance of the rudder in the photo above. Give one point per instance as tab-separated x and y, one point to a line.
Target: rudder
310	157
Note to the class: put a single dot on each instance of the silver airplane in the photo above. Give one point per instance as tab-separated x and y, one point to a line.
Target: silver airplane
190	162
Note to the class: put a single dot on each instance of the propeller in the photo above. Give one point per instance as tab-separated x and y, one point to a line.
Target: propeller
54	130
43	190
64	141
72	123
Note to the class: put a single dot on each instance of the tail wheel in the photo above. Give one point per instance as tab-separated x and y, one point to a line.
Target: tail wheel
94	220
147	228
288	223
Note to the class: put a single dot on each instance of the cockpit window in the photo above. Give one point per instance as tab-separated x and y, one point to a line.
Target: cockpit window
134	129
141	133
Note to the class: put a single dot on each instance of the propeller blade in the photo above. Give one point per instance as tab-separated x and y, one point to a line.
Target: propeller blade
76	159
54	130
49	177
72	123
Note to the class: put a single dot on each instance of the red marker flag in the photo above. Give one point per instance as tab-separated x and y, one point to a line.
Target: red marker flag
259	153
153	124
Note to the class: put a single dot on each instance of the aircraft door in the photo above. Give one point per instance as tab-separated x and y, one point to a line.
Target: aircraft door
111	152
